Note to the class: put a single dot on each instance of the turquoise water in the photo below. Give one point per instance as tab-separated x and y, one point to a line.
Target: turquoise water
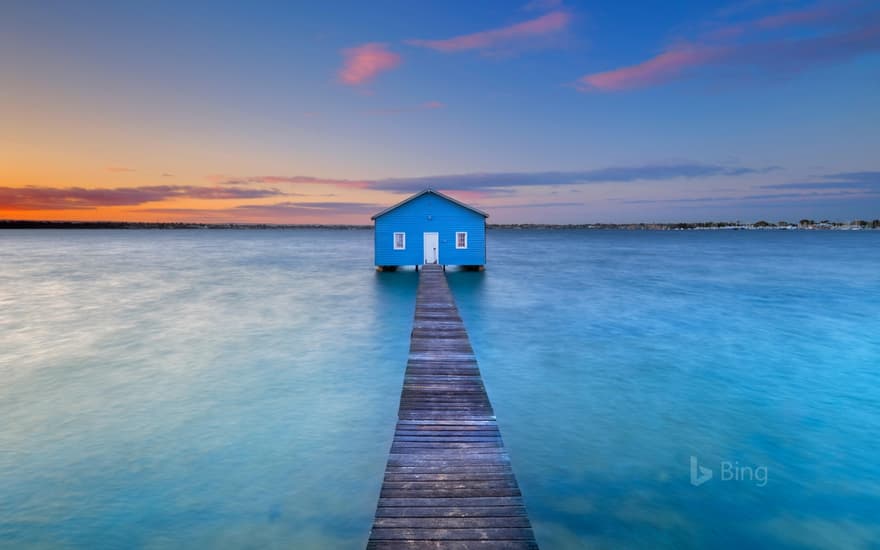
228	389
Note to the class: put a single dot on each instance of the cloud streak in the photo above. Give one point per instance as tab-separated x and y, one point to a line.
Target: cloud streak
497	180
79	198
363	63
668	65
517	35
758	197
482	184
282	212
843	180
311	208
840	186
539	205
838	35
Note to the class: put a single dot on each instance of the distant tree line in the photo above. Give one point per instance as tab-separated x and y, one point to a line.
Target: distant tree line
873	224
803	224
35	224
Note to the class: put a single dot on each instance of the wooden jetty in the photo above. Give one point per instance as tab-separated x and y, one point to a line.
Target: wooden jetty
448	483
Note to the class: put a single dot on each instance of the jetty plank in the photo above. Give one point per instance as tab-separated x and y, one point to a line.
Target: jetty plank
448	482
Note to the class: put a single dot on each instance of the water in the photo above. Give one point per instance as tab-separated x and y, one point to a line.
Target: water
229	389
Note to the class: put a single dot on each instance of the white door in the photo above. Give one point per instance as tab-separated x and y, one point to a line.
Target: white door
432	246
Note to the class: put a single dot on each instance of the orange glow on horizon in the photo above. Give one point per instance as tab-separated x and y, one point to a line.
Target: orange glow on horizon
176	213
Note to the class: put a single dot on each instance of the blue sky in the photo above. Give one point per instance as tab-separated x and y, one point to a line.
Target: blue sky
545	111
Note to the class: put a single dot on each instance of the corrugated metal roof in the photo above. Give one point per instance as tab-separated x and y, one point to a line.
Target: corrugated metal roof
426	191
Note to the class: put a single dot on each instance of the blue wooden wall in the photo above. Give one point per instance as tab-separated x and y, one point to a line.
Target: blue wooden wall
446	219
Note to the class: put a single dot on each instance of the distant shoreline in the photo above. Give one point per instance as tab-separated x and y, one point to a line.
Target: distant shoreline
808	225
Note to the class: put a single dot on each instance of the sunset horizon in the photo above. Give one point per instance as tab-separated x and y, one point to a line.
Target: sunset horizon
546	112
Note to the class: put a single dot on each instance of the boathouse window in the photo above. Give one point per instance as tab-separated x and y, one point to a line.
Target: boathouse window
461	239
400	241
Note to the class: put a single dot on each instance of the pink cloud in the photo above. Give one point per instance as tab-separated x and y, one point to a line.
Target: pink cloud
119	169
746	45
795	17
433	105
664	67
816	14
282	212
544	25
79	198
364	62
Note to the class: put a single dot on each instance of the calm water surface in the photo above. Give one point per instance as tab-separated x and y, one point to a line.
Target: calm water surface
229	389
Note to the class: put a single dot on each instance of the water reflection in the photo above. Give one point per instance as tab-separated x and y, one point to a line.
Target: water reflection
231	389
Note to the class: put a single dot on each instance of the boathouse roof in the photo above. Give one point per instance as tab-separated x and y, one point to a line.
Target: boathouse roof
433	192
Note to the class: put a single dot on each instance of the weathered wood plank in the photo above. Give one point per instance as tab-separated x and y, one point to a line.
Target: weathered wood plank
453	522
441	469
453	437
466	476
450	512
448	481
452	545
456	423
479	533
459	502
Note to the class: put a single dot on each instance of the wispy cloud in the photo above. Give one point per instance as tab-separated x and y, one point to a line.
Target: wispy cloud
867	176
539	205
495	180
842	180
838	33
519	35
363	63
805	16
299	208
482	184
282	212
666	66
758	197
119	169
854	186
79	198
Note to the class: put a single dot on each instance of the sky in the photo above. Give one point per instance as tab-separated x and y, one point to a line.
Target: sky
548	111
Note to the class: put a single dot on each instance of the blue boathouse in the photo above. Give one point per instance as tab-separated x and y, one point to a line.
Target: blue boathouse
430	228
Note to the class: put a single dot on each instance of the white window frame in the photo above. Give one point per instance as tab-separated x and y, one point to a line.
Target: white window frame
457	234
402	240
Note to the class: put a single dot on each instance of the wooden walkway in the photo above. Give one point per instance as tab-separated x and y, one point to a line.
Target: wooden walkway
448	483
